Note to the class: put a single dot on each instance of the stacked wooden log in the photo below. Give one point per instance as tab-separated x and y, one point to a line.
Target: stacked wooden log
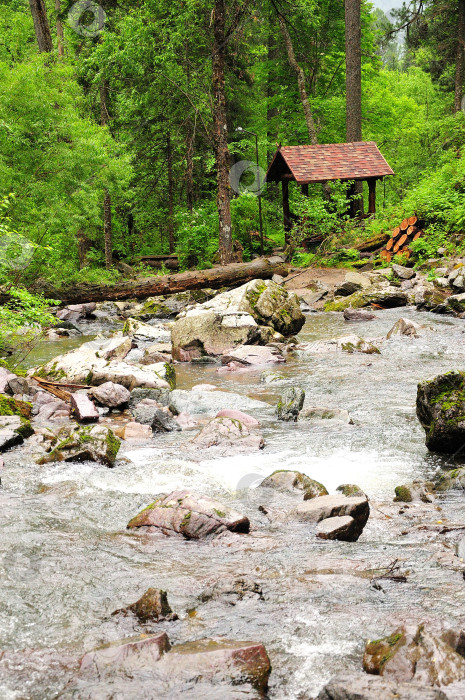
409	230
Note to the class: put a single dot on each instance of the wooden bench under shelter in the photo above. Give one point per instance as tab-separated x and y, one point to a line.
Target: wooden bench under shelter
327	162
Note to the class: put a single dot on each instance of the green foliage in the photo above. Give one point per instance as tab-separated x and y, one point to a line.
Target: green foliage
197	236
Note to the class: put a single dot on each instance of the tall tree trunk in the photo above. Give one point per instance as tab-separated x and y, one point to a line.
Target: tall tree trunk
221	133
41	25
459	56
353	34
61	47
169	157
189	167
300	80
271	112
107	226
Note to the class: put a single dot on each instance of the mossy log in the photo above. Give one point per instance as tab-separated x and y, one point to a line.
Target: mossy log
142	288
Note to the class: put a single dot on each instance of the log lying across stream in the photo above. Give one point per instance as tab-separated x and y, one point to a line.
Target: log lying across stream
225	276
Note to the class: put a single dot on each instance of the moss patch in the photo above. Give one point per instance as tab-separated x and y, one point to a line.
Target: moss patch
12	407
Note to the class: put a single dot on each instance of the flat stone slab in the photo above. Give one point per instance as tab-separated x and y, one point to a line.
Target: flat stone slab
84	409
125	656
324	507
342	527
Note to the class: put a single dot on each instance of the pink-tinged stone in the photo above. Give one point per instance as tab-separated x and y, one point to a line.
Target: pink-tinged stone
84	409
189	515
125	656
186	421
136	431
244	418
204	387
219	660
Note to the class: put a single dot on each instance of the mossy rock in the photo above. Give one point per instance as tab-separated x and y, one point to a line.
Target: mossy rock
351	491
288	481
380	651
451	480
389	297
441	411
91	443
12	407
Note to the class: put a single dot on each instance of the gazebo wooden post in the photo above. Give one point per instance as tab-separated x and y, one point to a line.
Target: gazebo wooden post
371	195
286	210
304	189
352	203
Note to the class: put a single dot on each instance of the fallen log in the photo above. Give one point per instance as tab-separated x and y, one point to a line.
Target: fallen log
225	276
53	388
372	243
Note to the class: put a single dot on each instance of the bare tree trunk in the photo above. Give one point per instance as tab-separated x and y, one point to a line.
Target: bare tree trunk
300	81
61	47
169	157
107	227
353	33
271	112
41	25
190	166
84	245
459	56
221	134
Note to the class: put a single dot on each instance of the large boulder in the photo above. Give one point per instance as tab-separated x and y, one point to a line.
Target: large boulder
253	355
189	515
441	411
158	419
228	435
386	297
322	507
456	279
415	654
95	444
84	409
361	686
248	315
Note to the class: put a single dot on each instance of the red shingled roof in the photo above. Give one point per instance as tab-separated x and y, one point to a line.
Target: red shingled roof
334	161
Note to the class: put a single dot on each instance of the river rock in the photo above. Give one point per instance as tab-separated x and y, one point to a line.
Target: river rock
110	394
255	355
414	654
158	376
323	507
386	297
219	660
5	376
228	434
247	315
351	490
93	443
153	606
19	385
116	348
13	431
341	527
161	396
9	406
456	279
143	331
135	431
84	409
453	479
290	404
189	515
353	282
244	418
53	410
404	327
455	304
417	491
295	483
403	273
200	401
126	656
441	411
159	420
358	315
361	686
232	589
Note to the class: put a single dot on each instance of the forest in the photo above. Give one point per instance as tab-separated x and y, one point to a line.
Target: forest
119	126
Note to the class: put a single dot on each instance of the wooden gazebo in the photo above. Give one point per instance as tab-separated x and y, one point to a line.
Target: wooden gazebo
325	162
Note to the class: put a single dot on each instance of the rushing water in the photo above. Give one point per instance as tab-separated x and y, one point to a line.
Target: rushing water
68	562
